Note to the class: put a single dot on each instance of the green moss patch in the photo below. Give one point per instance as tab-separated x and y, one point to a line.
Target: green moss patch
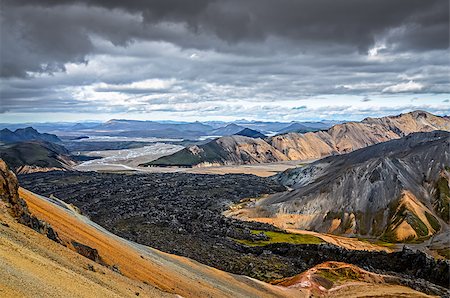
281	237
445	252
442	201
338	276
433	221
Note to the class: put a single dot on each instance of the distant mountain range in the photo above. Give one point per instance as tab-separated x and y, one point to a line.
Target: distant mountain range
341	138
396	191
26	134
169	129
193	130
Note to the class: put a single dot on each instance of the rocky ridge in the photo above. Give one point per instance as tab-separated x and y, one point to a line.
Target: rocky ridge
341	138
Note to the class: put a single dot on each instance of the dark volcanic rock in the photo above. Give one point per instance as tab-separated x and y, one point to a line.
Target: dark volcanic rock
87	251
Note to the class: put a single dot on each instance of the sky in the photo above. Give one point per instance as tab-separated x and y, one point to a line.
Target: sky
279	60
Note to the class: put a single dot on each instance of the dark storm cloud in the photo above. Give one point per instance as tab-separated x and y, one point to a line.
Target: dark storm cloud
248	58
41	36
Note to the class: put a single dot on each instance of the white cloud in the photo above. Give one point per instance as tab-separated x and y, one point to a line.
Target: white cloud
410	86
145	85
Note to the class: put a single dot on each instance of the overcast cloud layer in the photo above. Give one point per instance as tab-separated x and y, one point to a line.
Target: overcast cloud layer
213	59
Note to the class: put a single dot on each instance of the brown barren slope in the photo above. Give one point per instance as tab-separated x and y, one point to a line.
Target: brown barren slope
31	265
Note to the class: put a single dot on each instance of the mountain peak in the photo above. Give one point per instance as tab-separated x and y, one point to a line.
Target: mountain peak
247	132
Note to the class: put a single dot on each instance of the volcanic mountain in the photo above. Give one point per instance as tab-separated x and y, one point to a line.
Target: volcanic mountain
251	133
341	138
26	134
397	191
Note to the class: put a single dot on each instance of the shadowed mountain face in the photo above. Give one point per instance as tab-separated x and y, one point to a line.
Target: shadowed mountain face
341	138
32	156
397	190
26	134
251	133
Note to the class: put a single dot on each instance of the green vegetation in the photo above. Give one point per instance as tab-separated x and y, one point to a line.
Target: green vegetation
442	203
281	237
339	274
377	242
433	221
445	252
397	215
419	226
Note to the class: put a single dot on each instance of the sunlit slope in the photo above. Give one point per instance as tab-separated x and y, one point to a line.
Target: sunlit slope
31	265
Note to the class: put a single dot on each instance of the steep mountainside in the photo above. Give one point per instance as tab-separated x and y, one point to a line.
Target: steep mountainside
26	134
341	138
26	157
397	191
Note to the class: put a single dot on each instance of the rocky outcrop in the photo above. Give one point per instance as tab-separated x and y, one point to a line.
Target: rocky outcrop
18	207
387	190
87	251
341	138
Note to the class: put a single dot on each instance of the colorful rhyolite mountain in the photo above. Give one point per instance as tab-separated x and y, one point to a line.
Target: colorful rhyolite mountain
397	191
341	138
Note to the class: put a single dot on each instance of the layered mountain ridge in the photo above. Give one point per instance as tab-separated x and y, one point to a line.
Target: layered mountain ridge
341	138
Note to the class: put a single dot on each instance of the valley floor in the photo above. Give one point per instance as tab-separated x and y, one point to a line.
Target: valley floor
122	166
